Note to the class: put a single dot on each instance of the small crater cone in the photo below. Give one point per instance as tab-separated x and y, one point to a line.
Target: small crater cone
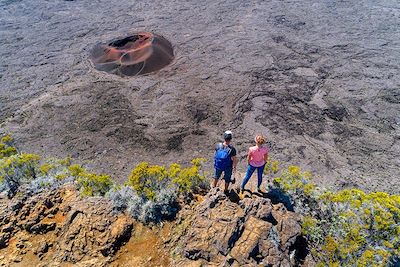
138	54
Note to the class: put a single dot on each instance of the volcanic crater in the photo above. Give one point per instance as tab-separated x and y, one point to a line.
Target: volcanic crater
137	54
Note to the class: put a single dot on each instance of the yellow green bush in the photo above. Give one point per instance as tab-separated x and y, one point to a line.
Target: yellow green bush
6	147
18	168
308	225
271	167
46	167
18	165
145	179
188	178
148	179
345	228
151	192
90	184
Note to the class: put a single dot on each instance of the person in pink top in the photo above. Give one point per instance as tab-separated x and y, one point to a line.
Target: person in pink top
256	158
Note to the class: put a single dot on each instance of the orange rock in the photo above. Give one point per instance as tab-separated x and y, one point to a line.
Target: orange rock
137	54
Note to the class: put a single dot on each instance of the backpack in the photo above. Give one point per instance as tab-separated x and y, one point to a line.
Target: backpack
222	158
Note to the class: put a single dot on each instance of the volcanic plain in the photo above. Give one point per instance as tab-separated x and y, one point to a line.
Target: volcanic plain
319	78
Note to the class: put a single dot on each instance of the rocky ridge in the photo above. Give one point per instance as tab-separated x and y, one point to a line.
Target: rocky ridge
60	227
226	231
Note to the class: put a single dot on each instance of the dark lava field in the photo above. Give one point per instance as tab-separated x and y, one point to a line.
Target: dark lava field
319	78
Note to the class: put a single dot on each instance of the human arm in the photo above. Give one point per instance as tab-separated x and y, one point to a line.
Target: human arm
266	157
234	158
235	162
266	160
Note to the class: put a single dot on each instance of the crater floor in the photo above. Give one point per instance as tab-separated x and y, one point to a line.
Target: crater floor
319	78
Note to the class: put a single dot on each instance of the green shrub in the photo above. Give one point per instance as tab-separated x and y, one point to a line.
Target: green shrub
187	178
271	167
155	190
46	167
151	191
55	168
345	228
6	147
90	184
147	179
16	169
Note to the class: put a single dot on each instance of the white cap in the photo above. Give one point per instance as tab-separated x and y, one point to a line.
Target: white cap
228	135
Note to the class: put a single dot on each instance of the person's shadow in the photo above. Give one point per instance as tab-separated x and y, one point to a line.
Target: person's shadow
276	196
233	196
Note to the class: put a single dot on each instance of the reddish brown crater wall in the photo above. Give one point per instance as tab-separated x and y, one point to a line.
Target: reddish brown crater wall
137	54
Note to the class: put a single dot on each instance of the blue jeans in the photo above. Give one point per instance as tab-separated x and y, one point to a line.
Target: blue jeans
227	174
249	172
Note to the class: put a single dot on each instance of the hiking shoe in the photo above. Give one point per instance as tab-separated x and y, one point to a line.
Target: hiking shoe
233	180
241	194
259	190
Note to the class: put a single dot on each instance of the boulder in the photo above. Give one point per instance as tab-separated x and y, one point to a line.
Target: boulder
215	227
80	231
248	245
248	233
91	231
288	225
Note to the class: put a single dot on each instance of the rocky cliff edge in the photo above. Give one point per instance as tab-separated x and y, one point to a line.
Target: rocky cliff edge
61	228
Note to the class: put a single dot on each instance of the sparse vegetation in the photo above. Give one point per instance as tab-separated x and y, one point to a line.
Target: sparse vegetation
15	168
151	191
150	194
348	227
90	184
18	169
344	228
271	167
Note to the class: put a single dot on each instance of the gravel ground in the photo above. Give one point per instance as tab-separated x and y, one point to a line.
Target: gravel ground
319	78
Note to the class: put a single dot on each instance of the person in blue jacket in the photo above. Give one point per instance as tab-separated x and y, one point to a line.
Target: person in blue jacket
225	160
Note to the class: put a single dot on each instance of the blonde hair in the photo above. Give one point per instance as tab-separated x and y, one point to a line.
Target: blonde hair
259	139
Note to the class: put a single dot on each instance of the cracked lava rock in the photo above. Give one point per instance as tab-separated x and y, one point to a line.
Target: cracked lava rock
137	54
318	78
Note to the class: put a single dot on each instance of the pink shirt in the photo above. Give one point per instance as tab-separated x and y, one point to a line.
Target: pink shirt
257	155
